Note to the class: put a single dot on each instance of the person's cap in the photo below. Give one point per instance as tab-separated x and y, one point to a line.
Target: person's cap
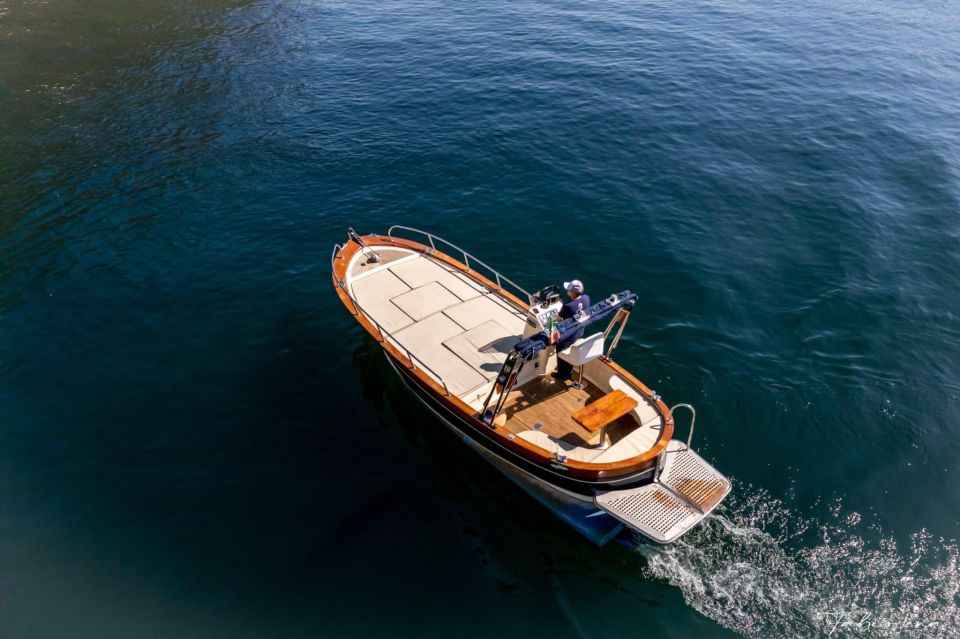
575	286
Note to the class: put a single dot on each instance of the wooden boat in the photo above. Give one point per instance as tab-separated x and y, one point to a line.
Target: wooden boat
475	348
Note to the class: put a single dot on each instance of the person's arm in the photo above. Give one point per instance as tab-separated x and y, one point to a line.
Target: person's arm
562	314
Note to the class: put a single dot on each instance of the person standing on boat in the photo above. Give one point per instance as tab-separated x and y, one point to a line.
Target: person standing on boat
579	303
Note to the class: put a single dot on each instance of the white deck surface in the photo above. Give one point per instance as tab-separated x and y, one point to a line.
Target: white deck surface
459	330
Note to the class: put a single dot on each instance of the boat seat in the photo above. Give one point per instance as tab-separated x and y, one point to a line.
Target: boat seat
645	412
551	445
635	443
583	350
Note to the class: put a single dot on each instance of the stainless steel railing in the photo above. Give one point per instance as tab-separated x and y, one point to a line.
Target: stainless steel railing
662	458
384	333
468	259
337	253
693	420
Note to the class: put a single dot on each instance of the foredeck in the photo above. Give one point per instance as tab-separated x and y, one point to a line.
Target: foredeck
459	330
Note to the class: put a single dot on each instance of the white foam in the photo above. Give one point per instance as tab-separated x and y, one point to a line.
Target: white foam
759	569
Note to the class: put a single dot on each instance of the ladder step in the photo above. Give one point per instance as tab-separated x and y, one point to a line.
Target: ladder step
651	510
688	475
686	491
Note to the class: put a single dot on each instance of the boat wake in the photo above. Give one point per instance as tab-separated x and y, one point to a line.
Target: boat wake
758	569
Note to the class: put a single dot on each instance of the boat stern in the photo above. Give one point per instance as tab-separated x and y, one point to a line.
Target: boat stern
685	491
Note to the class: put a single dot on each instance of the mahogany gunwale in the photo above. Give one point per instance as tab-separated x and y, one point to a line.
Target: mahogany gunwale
585	470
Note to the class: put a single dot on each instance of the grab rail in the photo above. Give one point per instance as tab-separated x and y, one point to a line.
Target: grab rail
337	250
693	420
467	257
662	458
384	333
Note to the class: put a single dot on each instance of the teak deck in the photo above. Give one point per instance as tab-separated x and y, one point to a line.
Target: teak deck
548	406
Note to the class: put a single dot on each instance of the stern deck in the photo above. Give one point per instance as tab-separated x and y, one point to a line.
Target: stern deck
547	405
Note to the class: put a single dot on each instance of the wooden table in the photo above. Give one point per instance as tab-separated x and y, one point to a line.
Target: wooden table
597	415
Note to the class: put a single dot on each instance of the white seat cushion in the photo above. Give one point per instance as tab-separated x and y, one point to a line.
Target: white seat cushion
475	312
635	443
570	451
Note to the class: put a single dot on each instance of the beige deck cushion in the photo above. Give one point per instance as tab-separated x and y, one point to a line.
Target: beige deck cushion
475	312
636	443
647	414
484	347
373	293
425	300
551	445
423	270
425	340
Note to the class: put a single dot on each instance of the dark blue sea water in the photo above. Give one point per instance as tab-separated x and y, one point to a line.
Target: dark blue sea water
196	440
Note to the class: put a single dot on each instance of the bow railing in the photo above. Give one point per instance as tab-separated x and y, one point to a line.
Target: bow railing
470	261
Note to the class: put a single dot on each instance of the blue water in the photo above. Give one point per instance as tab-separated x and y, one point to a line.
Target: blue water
196	440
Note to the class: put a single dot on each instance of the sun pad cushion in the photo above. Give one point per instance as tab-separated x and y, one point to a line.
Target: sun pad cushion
484	347
425	339
374	292
425	300
423	270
